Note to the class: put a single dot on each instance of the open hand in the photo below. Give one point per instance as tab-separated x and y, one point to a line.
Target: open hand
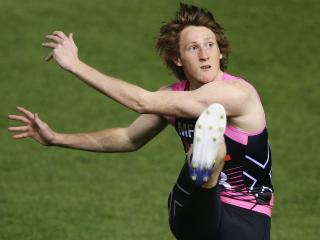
32	127
64	50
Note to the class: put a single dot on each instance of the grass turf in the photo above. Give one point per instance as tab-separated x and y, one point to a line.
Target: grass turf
52	193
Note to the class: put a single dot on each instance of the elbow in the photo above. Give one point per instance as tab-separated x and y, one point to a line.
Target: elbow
134	147
143	103
133	144
140	109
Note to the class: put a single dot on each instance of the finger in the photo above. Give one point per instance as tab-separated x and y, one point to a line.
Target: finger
60	34
50	45
18	129
49	57
38	120
21	135
19	118
26	112
54	38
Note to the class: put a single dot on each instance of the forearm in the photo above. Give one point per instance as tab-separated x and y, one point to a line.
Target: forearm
136	98
123	92
109	140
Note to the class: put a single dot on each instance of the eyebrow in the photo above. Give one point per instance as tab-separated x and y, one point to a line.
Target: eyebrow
206	39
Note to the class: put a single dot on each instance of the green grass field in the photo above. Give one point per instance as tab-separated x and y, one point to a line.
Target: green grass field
52	193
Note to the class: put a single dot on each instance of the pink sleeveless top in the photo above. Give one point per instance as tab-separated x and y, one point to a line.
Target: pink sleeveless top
245	180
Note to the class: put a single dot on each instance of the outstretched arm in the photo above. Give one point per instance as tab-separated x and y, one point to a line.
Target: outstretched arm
182	104
142	130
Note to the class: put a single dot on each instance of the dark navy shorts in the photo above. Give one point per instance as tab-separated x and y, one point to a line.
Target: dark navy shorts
196	213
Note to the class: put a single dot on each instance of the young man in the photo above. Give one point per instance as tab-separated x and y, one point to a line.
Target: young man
233	152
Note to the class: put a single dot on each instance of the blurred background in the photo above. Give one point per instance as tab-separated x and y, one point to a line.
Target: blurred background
52	193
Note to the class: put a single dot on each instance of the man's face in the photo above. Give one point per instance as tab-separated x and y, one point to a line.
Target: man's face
199	55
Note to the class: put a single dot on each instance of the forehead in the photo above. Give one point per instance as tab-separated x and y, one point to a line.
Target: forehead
195	34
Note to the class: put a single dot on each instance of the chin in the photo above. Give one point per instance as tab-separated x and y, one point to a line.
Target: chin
206	79
201	79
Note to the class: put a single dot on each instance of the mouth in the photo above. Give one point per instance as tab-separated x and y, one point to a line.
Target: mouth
206	67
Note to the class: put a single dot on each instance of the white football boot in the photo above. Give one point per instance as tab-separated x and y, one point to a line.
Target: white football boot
208	136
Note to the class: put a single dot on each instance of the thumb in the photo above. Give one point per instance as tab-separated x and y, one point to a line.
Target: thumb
71	37
49	57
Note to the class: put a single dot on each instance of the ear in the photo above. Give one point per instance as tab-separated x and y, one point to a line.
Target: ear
221	56
178	62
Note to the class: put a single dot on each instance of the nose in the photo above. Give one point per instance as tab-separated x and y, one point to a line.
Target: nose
203	55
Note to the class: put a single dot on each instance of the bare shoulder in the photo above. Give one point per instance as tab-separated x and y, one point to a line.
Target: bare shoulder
233	92
238	85
251	116
239	89
245	85
250	91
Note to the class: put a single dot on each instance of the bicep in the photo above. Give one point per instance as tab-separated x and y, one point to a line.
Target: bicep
144	128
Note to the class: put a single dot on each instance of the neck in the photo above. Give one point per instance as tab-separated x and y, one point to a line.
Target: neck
193	84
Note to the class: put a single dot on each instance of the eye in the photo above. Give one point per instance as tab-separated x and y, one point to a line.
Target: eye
192	48
210	44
